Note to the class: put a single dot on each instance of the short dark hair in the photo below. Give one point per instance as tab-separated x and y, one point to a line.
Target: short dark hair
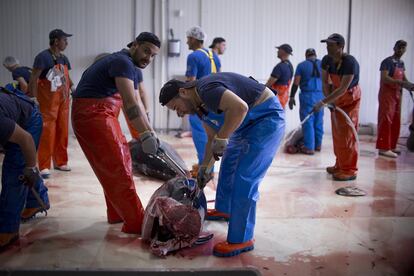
146	37
216	41
171	88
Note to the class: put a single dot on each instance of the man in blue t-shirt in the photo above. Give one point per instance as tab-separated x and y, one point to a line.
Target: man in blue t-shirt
342	69
21	74
218	46
308	77
50	83
282	74
246	136
393	80
21	125
201	62
105	86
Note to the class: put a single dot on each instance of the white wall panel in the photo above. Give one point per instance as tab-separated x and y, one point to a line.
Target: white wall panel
251	27
376	25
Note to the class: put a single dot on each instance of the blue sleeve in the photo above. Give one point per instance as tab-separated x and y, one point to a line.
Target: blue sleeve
325	63
277	71
68	63
191	66
348	67
41	62
386	65
299	69
7	127
121	67
211	95
139	76
15	74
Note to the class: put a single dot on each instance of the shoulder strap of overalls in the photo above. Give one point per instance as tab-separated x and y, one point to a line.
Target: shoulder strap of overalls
22	97
315	71
209	54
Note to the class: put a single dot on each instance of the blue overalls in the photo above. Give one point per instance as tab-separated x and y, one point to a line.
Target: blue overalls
14	194
247	157
310	94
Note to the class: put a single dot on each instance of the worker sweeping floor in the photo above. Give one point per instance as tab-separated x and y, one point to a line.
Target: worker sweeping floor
302	226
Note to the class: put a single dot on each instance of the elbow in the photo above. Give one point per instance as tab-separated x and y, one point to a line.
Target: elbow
243	108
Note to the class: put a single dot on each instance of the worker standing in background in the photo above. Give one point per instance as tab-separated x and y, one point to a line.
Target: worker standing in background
50	84
218	46
282	74
343	70
21	74
21	126
201	62
308	77
393	79
106	86
247	138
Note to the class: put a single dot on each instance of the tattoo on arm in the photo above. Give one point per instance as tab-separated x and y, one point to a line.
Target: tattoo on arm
133	112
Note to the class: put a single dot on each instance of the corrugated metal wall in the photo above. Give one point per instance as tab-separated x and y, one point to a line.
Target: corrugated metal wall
376	25
251	27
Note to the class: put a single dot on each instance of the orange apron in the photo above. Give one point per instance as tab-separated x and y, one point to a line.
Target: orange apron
389	112
344	142
54	107
282	93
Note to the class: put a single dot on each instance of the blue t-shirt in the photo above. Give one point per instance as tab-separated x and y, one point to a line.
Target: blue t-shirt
283	72
211	88
98	81
310	72
348	66
23	72
45	60
12	110
199	64
390	63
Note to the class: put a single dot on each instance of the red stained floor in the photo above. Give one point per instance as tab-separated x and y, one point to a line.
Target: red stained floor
303	227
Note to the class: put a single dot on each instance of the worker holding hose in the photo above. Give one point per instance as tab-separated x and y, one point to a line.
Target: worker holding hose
247	139
342	70
21	126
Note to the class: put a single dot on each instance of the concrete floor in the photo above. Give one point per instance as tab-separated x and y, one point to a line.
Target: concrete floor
303	227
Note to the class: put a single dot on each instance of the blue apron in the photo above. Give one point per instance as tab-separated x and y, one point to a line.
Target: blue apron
248	155
14	194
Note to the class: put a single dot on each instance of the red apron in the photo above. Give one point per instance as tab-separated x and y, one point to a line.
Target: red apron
54	107
344	142
389	112
96	126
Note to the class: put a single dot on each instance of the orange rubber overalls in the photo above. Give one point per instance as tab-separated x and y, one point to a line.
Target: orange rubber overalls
54	106
389	112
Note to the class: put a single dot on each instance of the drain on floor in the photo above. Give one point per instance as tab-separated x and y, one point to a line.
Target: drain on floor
350	191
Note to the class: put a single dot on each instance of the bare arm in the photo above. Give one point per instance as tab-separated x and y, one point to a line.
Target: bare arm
134	109
33	81
143	95
26	143
22	84
343	87
208	153
325	83
235	109
271	81
385	78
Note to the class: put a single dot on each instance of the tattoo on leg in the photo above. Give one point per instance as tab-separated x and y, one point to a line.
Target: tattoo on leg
133	112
